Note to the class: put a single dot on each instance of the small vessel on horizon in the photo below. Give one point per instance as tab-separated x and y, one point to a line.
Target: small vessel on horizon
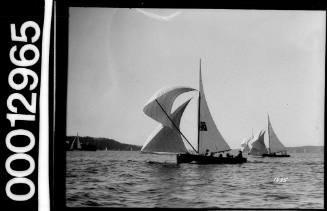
168	138
275	145
76	144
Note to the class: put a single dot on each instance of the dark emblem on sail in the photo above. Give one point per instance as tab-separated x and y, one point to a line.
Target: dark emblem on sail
203	126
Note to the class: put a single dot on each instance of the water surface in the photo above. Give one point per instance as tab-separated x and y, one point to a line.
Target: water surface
132	179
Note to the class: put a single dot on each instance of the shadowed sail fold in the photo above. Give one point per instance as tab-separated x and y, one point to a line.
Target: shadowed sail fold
258	145
274	144
160	105
209	136
167	139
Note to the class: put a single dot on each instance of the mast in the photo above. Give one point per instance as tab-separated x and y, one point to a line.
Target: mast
199	100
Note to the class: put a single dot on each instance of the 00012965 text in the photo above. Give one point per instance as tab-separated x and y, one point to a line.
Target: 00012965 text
28	77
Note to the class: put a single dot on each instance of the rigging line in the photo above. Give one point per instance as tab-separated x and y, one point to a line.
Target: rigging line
199	104
176	126
199	121
269	133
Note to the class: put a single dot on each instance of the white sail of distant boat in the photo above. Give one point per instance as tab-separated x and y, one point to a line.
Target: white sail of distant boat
168	137
258	145
78	144
275	145
245	147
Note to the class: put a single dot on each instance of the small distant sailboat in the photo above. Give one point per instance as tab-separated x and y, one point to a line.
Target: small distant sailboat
245	147
168	138
76	144
275	145
258	147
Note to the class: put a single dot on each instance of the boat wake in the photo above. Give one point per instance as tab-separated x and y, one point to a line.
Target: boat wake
161	163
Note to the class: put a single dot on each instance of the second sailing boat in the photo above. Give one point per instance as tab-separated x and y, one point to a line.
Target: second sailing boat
275	146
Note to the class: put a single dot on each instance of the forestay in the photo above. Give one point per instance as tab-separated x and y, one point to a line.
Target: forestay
209	136
160	105
258	145
274	144
165	138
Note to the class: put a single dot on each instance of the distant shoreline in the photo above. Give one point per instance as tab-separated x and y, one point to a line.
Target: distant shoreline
103	144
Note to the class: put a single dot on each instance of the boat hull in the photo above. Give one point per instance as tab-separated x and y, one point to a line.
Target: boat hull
201	159
277	156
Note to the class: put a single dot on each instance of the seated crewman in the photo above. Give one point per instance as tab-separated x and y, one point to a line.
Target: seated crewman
239	155
207	152
228	155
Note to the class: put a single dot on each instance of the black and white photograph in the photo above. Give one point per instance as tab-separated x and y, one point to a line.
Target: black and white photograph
195	108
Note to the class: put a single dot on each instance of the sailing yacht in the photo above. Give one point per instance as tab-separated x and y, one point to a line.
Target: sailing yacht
168	138
76	144
275	145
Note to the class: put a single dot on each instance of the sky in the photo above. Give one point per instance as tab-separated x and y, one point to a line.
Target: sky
254	63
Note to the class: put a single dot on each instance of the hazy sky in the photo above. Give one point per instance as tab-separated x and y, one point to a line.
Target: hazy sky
253	63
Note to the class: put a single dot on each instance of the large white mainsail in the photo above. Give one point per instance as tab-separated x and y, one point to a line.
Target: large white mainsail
274	144
258	145
209	136
167	139
160	105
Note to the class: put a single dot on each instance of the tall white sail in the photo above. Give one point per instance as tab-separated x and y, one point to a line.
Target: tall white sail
78	143
274	144
165	138
258	145
72	144
209	136
160	105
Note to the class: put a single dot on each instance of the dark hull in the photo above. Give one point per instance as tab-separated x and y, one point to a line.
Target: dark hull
277	156
201	159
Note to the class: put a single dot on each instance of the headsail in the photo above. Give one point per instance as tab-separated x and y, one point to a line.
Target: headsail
165	138
209	136
160	105
245	148
258	145
274	144
76	142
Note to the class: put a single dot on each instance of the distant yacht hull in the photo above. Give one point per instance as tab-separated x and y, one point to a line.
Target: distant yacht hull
202	159
272	155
